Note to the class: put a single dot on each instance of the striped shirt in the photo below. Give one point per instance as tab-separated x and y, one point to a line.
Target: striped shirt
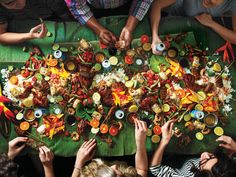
81	11
184	171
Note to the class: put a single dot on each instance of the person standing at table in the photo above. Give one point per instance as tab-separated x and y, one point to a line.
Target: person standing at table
99	168
202	10
86	12
217	164
8	168
29	10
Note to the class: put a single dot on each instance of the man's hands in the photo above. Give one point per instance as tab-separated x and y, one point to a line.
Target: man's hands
205	19
107	37
126	35
85	153
140	132
46	156
167	132
15	146
228	143
39	31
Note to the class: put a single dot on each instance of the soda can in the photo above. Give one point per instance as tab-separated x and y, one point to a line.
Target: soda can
160	47
59	54
197	114
106	65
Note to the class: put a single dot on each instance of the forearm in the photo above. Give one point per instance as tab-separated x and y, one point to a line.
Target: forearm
131	23
155	19
14	38
157	158
225	33
76	173
141	160
48	170
93	24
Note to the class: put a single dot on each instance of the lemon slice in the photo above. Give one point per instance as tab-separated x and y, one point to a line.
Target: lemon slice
28	102
187	117
96	97
199	107
165	107
113	60
129	84
149	132
218	131
155	139
19	116
94	130
133	108
199	136
201	95
216	67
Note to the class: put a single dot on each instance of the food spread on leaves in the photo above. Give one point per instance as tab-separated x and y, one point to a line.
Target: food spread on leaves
87	86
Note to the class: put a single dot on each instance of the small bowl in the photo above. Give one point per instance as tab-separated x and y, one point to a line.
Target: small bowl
71	120
172	52
211	120
29	115
71	65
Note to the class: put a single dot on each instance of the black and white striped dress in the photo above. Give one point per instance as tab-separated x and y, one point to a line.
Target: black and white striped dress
166	171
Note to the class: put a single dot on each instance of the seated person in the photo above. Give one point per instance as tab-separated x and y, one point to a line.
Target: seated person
217	164
99	168
29	10
85	12
8	168
202	10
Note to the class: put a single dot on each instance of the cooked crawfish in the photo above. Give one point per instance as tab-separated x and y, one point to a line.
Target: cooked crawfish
81	126
163	93
147	103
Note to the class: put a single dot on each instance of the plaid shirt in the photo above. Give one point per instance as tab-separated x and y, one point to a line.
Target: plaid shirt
81	11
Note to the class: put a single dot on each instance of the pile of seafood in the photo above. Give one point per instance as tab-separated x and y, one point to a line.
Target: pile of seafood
99	90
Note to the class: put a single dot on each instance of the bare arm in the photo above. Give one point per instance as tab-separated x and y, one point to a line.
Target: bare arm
225	33
166	136
157	6
126	33
14	38
141	160
105	35
157	158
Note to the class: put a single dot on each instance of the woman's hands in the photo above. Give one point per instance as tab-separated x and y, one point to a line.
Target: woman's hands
228	143
46	156
167	132
85	153
140	132
15	146
39	31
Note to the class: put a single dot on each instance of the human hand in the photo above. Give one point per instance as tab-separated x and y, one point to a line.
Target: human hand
15	146
46	156
39	31
126	35
228	143
155	41
166	130
140	132
205	19
107	37
85	153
